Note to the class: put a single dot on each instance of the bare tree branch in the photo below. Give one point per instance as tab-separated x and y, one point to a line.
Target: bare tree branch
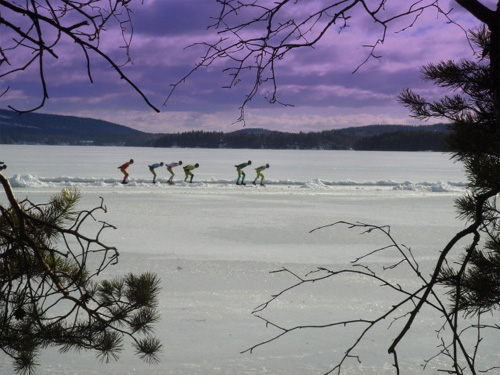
453	348
256	35
40	26
49	295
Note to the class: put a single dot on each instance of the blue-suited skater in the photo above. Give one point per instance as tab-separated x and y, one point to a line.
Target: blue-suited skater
152	168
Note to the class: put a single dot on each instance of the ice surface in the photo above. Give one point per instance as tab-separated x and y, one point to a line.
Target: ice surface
214	245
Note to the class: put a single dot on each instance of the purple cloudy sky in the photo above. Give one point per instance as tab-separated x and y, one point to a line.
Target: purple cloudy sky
318	82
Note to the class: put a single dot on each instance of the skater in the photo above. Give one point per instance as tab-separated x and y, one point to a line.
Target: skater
123	168
259	174
152	170
187	171
170	168
239	169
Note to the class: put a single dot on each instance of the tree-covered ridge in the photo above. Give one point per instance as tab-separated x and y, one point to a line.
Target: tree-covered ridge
27	123
55	129
374	137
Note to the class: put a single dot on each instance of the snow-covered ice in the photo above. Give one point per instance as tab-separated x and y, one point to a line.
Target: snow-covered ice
214	245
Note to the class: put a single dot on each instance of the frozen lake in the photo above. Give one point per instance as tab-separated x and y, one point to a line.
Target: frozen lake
98	164
214	244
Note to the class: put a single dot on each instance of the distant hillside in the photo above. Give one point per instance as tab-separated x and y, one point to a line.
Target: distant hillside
421	140
374	130
253	131
54	129
374	137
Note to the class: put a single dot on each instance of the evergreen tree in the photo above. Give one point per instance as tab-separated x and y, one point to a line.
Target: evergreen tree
51	289
474	285
470	277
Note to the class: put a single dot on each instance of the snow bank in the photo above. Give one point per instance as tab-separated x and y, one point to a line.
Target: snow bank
437	187
30	181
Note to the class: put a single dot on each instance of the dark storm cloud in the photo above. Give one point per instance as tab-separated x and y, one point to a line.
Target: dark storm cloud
174	17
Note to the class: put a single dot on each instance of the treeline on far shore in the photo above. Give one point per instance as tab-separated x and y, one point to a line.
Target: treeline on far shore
36	128
393	138
368	138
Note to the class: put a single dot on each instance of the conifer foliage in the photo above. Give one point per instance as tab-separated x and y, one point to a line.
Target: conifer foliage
474	286
463	289
51	289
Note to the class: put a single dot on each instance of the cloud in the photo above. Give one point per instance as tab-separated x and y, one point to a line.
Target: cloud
318	81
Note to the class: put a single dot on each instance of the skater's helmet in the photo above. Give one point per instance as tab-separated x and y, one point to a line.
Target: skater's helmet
180	162
161	164
196	165
267	165
249	162
131	161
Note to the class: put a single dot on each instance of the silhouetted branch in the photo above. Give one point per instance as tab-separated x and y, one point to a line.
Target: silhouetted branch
404	308
39	27
49	295
255	35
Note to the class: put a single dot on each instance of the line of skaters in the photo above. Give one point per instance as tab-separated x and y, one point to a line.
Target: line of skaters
188	171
